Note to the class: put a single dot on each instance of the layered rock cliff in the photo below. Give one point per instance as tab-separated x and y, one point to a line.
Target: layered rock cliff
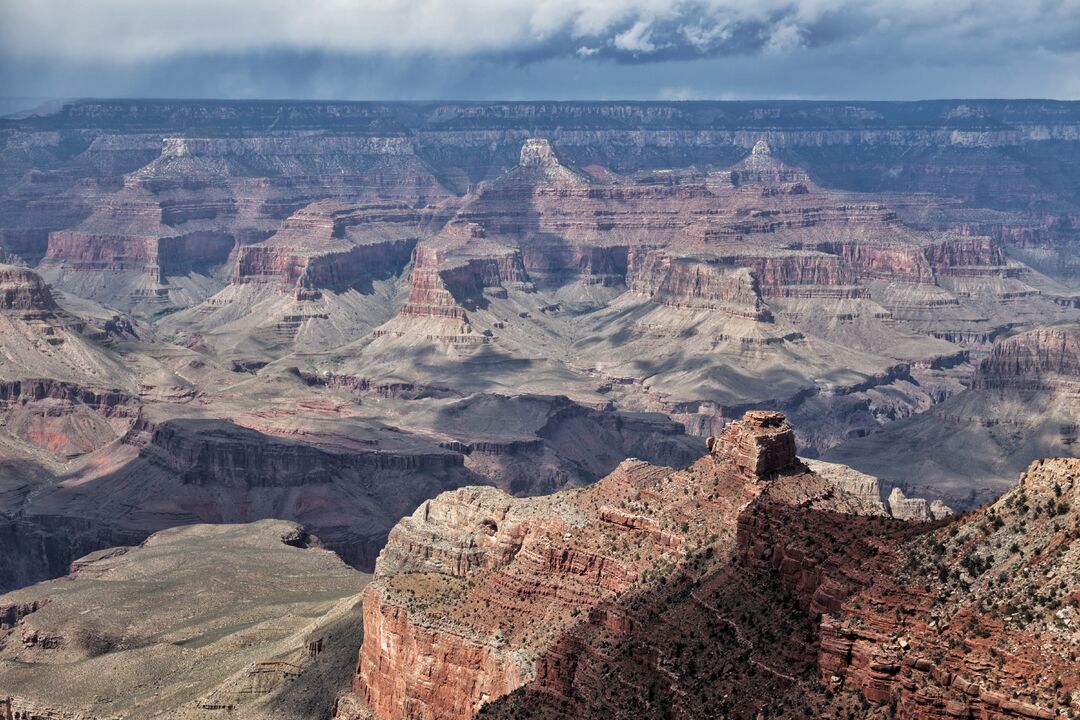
23	291
1030	361
333	246
477	594
821	614
980	620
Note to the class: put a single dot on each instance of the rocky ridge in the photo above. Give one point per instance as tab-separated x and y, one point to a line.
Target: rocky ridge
475	591
986	625
820	614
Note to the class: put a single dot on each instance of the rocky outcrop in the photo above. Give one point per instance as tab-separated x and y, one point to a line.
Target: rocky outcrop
442	536
818	613
24	292
1039	359
978	624
863	488
518	565
760	444
917	509
18	708
477	593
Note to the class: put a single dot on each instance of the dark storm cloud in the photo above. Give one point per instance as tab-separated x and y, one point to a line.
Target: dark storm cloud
489	48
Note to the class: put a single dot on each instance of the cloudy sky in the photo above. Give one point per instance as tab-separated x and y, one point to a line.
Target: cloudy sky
541	49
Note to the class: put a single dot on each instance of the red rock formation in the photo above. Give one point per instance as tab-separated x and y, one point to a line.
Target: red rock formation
986	632
821	614
460	674
896	262
761	444
789	276
475	590
963	250
442	287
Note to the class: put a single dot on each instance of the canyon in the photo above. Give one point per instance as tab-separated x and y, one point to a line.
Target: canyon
625	405
1023	402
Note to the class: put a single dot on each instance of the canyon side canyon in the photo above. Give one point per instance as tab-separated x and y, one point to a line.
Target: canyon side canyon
426	411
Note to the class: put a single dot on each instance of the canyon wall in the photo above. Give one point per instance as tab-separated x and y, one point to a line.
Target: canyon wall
1038	359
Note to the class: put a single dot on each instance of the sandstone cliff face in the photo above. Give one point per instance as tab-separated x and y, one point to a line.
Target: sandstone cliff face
23	291
894	262
518	571
339	270
822	614
979	621
760	444
1036	360
478	594
157	256
966	250
445	287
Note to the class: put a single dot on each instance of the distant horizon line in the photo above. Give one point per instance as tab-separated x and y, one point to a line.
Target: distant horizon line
136	98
